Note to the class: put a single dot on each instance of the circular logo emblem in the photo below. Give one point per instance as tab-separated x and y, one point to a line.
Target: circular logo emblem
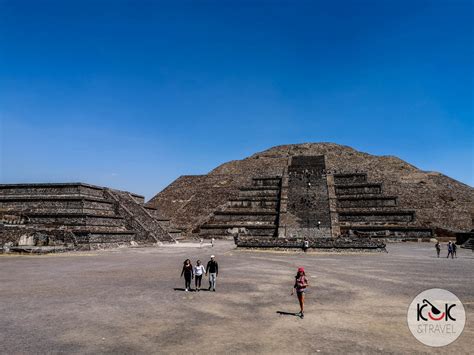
436	317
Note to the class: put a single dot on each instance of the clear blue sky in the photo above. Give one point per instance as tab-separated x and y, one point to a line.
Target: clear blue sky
133	94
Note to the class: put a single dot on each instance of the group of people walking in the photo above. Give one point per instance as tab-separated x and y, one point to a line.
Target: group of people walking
212	269
452	247
189	272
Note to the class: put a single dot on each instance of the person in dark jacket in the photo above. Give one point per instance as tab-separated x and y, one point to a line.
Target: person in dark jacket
450	250
454	249
213	270
438	248
188	274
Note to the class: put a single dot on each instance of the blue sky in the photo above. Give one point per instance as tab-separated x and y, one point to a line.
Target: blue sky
133	94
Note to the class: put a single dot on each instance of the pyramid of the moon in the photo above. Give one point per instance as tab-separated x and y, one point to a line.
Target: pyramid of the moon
317	190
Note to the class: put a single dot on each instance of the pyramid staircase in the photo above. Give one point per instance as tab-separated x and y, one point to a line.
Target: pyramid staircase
364	209
138	217
254	211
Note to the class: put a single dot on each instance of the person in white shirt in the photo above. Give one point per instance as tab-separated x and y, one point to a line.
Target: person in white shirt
198	271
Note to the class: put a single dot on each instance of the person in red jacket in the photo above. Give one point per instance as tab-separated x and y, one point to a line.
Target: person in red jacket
301	283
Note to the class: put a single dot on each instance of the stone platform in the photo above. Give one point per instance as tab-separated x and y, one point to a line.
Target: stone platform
334	244
77	215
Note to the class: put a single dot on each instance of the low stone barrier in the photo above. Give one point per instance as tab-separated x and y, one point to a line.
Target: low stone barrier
343	242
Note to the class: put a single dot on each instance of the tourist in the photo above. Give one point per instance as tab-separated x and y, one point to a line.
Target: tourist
188	274
212	269
450	250
305	244
454	249
212	242
198	271
301	282
438	248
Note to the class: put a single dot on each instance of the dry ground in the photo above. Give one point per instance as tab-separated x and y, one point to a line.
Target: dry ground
124	301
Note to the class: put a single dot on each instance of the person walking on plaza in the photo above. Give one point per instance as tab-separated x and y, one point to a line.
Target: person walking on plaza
198	271
438	248
454	249
188	274
212	269
450	250
305	244
301	283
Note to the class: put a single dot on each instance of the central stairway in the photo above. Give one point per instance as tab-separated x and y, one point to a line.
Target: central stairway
254	212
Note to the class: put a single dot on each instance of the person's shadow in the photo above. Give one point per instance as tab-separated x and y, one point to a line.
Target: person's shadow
282	313
191	290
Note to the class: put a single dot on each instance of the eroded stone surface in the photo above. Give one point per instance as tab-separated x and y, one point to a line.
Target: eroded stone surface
381	195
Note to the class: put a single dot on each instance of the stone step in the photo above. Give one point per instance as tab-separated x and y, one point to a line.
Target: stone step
259	193
260	188
245	213
366	201
350	178
79	219
97	230
26	198
253	204
377	216
42	190
256	198
67	211
58	205
219	230
88	229
391	232
230	220
273	177
360	196
104	237
244	218
358	189
270	181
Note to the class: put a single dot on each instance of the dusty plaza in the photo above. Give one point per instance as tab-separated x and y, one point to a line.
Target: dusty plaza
236	177
130	300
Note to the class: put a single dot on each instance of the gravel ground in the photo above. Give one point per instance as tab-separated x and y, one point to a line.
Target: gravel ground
128	301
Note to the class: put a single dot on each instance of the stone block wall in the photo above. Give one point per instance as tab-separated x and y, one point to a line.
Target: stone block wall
82	210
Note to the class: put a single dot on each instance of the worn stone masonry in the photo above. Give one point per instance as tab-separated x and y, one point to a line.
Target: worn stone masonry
343	242
76	216
321	190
